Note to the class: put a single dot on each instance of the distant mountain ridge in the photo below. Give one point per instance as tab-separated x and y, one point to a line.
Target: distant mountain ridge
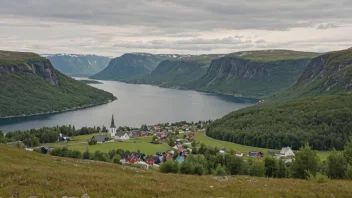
132	65
30	85
78	64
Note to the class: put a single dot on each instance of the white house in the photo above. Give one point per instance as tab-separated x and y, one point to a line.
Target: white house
286	151
121	136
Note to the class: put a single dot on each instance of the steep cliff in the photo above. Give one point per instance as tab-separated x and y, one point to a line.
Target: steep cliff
29	84
328	74
254	73
78	65
130	65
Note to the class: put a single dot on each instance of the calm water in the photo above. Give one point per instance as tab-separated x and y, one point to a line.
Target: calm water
137	105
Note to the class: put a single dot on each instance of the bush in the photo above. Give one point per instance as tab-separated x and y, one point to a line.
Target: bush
198	169
169	167
87	155
116	159
348	174
99	156
257	169
55	152
75	154
220	171
186	168
92	142
319	178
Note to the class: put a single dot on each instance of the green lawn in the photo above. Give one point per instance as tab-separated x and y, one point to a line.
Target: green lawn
80	143
202	138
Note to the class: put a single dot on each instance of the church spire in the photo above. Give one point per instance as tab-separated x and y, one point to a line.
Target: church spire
112	122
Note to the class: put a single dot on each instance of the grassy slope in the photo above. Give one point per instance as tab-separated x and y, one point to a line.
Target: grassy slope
8	58
25	174
273	55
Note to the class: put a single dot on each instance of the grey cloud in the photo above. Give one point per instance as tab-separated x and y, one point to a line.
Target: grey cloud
184	14
326	26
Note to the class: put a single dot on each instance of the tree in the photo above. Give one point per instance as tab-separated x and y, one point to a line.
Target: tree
348	151
116	159
186	168
220	171
257	169
99	156
282	169
348	174
337	165
233	164
92	142
169	167
75	154
271	167
198	169
87	155
306	160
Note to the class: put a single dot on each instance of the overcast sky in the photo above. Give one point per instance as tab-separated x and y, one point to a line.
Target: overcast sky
114	27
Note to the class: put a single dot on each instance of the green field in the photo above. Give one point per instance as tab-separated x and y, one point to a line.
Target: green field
202	138
80	143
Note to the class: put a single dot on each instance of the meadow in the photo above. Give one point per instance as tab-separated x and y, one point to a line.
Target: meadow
25	174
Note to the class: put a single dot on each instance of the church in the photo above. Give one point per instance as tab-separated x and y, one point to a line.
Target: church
117	135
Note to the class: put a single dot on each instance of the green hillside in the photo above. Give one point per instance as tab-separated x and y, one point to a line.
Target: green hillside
178	72
256	74
316	109
25	174
30	85
130	65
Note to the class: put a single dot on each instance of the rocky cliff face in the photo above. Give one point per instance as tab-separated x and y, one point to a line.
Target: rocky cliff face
331	71
42	68
244	77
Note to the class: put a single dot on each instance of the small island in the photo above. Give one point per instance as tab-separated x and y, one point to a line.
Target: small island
90	82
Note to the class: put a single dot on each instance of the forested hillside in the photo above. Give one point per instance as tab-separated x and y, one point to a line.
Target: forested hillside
78	65
30	85
255	74
319	110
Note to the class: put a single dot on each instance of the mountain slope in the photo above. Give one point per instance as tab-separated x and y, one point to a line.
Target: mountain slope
254	73
317	109
29	84
130	65
178	72
328	74
25	174
78	65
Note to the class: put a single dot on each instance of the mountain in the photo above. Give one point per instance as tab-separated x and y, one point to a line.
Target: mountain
131	65
316	109
178	72
78	65
328	74
29	84
254	73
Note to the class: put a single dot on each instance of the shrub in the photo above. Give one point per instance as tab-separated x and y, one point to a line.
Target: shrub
186	168
87	155
99	156
75	154
169	167
257	169
92	142
220	171
116	159
319	178
348	174
198	169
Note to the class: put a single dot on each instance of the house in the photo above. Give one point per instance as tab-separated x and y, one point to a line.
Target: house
286	152
121	135
100	138
45	149
18	144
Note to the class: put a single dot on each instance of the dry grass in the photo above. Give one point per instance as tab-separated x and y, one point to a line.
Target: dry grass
24	174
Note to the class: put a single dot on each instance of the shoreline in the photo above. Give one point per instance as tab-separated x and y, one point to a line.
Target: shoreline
54	112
